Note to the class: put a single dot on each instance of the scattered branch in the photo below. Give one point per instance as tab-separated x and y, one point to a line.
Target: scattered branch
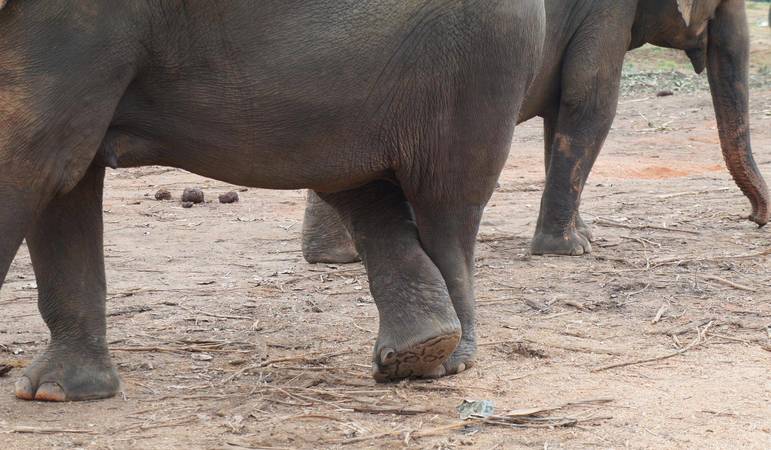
613	224
729	283
697	341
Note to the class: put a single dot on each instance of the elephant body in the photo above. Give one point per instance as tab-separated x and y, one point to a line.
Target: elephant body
375	104
576	93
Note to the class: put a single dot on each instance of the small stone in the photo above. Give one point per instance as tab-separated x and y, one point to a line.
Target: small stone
229	197
187	204
163	194
193	195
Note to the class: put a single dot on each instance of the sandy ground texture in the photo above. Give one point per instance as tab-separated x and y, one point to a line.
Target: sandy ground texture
225	338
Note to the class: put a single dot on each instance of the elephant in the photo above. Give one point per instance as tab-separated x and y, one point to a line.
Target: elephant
399	113
576	93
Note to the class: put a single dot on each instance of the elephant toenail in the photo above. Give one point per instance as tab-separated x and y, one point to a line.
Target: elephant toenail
24	389
387	356
50	392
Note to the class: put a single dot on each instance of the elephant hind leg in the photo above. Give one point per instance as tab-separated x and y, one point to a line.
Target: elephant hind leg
17	212
418	325
66	248
325	238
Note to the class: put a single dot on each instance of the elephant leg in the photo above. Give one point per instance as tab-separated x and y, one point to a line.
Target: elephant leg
448	235
557	230
419	328
67	255
17	212
325	238
549	129
575	135
448	206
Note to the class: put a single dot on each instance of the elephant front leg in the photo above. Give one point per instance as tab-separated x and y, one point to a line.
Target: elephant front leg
565	240
67	255
325	238
574	135
419	328
560	230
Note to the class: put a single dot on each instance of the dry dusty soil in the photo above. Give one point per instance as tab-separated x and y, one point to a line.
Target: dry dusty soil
226	338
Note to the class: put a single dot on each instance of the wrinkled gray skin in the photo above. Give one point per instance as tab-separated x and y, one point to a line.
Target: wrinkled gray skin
371	103
576	93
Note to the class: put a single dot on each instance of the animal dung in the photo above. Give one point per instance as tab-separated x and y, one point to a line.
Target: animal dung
163	194
192	195
229	197
187	204
664	93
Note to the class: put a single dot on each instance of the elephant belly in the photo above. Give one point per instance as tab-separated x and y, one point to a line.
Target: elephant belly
238	151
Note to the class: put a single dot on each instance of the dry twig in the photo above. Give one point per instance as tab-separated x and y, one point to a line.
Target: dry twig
697	341
725	282
35	430
679	261
612	223
683	194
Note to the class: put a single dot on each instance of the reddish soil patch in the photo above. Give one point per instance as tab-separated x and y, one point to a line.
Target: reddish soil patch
663	172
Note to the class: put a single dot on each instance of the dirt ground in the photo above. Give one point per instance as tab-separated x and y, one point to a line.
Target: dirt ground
226	338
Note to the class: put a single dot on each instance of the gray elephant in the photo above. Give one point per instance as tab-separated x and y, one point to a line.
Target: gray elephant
576	93
375	104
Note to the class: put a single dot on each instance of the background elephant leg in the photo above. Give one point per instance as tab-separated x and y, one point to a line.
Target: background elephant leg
574	137
418	325
549	130
560	229
67	255
325	238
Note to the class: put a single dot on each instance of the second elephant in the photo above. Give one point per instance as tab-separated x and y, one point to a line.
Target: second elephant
576	93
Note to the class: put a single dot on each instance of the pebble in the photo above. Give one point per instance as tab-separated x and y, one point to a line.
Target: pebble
163	194
229	197
193	195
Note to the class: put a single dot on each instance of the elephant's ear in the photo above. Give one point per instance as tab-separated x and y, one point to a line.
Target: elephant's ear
685	7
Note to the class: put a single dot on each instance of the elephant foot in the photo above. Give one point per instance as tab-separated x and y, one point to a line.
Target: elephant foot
424	359
330	253
325	238
583	229
418	333
58	376
463	358
570	243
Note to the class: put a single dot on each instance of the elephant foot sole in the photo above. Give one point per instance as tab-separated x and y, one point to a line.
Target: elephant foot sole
462	359
570	243
422	360
63	378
